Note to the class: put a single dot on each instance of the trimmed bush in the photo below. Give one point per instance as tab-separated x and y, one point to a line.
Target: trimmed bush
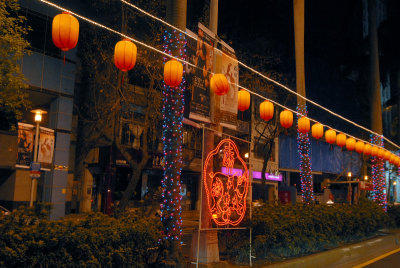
91	240
286	231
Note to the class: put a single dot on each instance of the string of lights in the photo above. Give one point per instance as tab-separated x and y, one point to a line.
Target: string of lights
173	104
194	66
303	147
378	176
263	76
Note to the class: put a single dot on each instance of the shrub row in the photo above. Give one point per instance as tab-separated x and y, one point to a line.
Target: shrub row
92	240
284	231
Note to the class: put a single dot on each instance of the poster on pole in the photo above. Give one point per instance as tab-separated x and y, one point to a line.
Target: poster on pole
46	148
25	145
200	51
227	64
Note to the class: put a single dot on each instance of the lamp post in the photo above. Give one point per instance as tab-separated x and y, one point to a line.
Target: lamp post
394	191
38	118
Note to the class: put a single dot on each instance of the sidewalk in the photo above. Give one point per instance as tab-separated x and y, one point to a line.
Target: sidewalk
349	255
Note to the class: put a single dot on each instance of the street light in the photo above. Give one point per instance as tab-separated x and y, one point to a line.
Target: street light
38	118
365	177
349	174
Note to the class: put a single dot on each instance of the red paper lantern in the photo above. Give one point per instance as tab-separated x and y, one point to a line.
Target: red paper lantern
286	119
367	149
65	31
266	110
317	131
173	72
359	147
125	55
243	100
350	144
304	124
330	136
341	140
219	84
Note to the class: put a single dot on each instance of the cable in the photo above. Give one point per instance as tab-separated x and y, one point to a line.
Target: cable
178	59
263	76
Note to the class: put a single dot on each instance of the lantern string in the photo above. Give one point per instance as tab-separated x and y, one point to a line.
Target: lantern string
262	75
244	65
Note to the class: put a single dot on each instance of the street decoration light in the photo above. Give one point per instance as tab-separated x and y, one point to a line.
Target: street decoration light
303	124
330	136
286	118
173	72
243	100
317	131
219	84
360	147
266	110
35	167
125	53
341	140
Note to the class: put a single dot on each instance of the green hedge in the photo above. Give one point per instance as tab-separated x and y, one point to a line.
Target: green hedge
284	231
394	214
92	240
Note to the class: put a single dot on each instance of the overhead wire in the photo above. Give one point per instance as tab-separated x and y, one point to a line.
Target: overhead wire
190	64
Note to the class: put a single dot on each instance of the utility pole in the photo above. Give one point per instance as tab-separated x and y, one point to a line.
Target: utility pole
303	139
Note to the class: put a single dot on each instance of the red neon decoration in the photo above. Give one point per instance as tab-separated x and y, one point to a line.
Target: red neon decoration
226	194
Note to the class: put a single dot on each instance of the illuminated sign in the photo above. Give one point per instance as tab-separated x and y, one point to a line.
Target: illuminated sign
226	191
256	174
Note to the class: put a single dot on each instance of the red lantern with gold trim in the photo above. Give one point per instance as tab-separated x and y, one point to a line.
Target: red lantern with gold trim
65	31
303	124
341	140
350	144
125	53
266	110
317	131
219	84
286	119
360	147
330	136
173	72
243	100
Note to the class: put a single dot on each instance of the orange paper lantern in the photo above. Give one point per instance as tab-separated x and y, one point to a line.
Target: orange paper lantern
367	149
286	119
397	163
125	53
359	147
330	136
350	144
392	158
266	110
387	155
381	152
219	84
317	131
173	72
341	140
374	151
243	100
65	31
304	124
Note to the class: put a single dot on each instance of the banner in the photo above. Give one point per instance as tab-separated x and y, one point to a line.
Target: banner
228	105
200	52
25	145
46	147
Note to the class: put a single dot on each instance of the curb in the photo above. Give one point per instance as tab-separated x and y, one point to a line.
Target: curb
349	255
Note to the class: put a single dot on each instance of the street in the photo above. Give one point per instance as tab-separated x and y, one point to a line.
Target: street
389	259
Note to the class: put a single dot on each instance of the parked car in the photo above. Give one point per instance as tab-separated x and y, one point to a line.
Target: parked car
4	211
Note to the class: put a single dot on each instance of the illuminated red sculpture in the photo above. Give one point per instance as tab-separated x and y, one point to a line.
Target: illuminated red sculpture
226	192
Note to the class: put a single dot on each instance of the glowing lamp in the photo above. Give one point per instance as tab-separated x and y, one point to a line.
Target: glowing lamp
243	100
381	152
374	150
266	110
219	84
125	53
65	31
360	147
38	115
330	136
367	149
173	72
317	131
350	144
304	124
286	119
341	140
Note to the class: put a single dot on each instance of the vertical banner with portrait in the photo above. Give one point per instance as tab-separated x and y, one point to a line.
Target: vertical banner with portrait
227	64
25	145
46	148
200	52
